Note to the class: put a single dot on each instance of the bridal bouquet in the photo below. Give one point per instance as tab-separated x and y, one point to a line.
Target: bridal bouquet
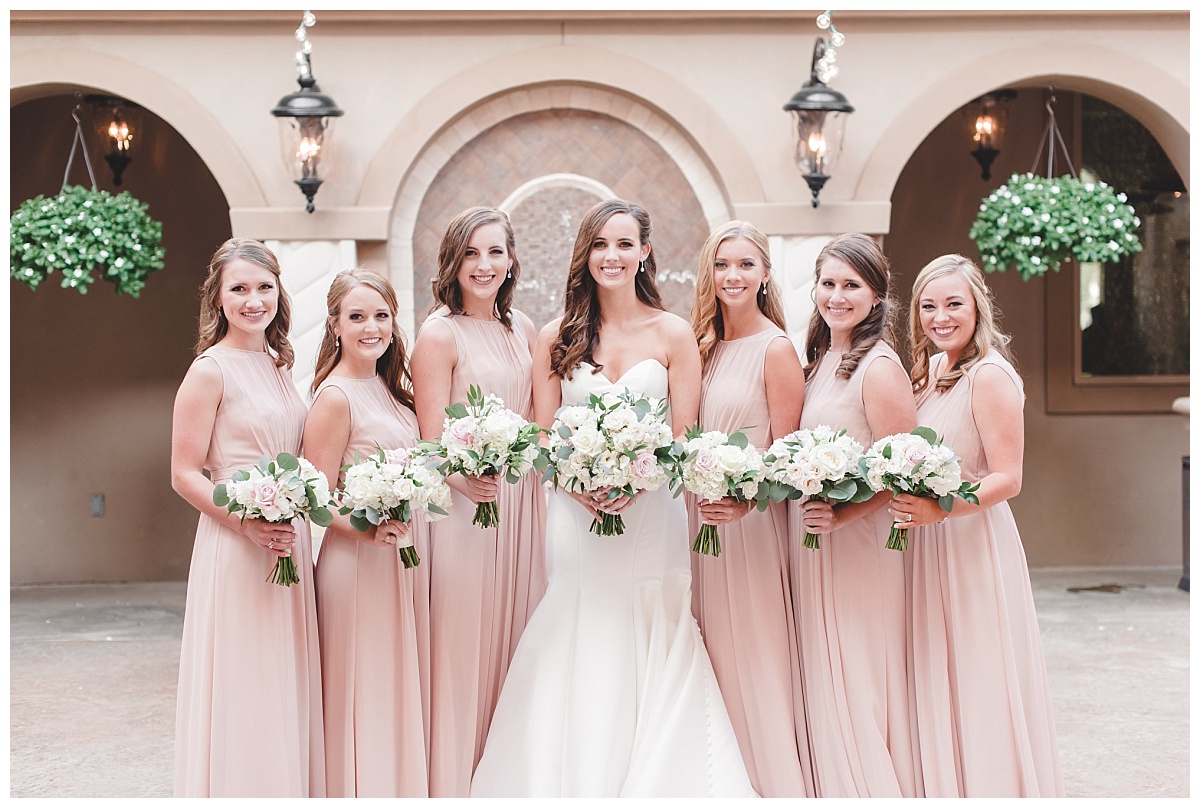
915	463
618	442
278	490
392	485
482	438
713	466
818	463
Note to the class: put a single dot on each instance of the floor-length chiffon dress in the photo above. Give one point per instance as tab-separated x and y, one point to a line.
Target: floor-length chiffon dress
248	715
742	598
484	584
984	718
611	692
374	620
849	601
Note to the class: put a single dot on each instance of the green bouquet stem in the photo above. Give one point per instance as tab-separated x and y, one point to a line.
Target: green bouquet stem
284	572
409	557
708	541
487	514
812	541
898	538
609	524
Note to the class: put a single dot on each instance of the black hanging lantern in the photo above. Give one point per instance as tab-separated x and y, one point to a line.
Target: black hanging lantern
306	118
987	120
820	124
118	121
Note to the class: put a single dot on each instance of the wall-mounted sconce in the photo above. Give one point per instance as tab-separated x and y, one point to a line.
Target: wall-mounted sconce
118	121
987	119
305	119
820	124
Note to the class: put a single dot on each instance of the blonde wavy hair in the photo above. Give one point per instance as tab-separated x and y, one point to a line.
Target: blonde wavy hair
707	322
987	335
214	326
392	367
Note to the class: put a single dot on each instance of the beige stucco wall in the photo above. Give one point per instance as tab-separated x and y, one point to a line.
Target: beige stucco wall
417	85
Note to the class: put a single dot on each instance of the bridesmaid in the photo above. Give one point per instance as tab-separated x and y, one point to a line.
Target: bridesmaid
484	583
849	595
742	599
984	719
373	613
248	720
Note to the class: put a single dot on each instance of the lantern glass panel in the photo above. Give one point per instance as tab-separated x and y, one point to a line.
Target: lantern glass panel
306	145
819	135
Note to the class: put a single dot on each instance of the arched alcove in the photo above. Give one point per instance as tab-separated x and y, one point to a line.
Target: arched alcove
93	377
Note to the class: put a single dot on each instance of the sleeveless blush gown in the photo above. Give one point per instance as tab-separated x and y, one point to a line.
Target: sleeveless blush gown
248	715
742	598
984	717
611	692
484	584
374	620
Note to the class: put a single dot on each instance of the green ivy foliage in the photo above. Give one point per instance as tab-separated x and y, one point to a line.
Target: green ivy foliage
83	230
1034	224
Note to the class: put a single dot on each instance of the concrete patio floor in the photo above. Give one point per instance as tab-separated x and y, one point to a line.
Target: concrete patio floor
93	674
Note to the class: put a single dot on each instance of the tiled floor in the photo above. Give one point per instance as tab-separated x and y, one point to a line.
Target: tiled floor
93	672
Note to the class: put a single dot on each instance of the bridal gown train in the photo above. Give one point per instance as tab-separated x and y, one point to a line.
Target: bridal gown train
611	692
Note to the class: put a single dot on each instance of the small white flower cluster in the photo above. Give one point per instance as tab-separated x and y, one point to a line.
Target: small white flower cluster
483	437
395	485
909	464
274	493
612	441
811	461
713	467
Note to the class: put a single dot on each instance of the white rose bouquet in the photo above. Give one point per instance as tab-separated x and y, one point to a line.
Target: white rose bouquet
278	490
482	438
818	463
915	463
714	466
619	442
394	484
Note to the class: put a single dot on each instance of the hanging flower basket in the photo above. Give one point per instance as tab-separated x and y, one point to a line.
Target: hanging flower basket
1034	224
84	230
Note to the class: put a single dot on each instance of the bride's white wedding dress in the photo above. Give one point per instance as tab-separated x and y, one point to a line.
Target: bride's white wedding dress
611	692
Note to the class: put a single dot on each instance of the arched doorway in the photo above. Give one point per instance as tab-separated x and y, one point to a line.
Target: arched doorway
93	377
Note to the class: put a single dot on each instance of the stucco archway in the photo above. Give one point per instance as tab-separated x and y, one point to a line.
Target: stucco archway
1145	91
45	72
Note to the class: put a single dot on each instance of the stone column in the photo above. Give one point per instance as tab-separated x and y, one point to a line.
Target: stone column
793	260
308	268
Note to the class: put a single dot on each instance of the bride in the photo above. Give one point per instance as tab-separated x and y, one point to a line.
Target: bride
610	692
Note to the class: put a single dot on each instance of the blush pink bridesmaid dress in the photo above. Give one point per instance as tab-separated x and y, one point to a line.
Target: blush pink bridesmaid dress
984	718
742	598
248	715
374	620
484	583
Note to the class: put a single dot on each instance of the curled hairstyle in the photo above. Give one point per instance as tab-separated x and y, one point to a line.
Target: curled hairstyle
446	291
864	256
392	367
214	326
579	333
707	322
986	337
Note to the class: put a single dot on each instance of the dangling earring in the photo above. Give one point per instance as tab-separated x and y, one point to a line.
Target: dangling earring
641	266
510	272
337	343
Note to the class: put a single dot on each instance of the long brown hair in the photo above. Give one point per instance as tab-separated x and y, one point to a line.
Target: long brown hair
579	333
214	326
446	291
392	367
707	322
986	337
864	256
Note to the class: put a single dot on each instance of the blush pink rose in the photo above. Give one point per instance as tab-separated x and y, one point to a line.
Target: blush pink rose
645	464
705	462
915	455
463	431
264	493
